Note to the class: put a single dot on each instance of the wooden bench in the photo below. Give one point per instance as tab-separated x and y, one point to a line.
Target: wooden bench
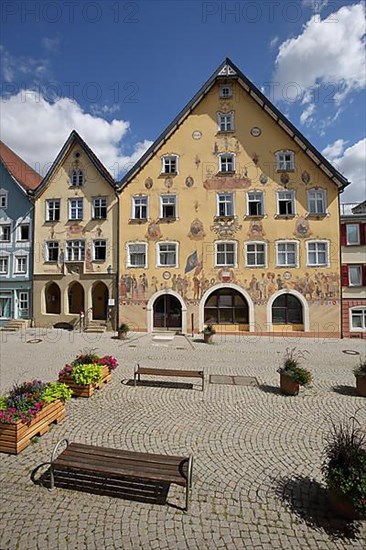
123	464
167	372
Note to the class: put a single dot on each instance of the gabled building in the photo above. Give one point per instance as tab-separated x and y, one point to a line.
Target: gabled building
75	260
353	247
17	181
231	218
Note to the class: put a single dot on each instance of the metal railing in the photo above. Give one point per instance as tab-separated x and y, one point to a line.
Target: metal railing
353	208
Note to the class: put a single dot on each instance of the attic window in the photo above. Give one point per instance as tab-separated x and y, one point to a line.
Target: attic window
77	154
4	199
77	178
285	161
226	91
169	164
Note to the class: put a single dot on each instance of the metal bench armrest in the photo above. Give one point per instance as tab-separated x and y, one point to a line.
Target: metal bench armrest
53	457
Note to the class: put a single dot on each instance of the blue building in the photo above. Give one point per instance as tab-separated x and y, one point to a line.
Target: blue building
17	181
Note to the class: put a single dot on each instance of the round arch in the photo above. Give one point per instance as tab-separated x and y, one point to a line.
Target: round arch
302	300
150	309
52	298
239	289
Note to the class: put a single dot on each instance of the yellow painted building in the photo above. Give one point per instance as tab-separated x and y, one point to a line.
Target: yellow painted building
75	242
231	218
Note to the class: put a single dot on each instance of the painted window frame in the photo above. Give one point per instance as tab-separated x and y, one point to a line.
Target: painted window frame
134	206
158	251
77	178
81	247
169	158
78	200
47	250
360	271
232	203
317	241
226	242
9	225
94	247
297	259
161	206
229	120
48	210
5	257
248	202
227	154
265	252
355	309
20	300
226	95
128	254
281	163
19	232
293	201
17	257
94	207
358	234
323	193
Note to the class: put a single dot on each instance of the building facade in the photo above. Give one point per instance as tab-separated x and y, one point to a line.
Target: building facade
17	179
353	248
75	252
231	218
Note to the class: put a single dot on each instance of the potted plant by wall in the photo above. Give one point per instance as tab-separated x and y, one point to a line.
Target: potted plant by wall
123	331
208	334
28	410
87	372
344	469
292	374
360	374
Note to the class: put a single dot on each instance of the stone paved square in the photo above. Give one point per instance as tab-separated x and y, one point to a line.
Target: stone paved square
256	481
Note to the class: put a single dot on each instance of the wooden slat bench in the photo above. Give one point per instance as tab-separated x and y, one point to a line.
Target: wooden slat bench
152	371
123	464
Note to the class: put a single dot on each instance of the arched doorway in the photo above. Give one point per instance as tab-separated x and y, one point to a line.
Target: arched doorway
226	306
167	313
76	298
100	301
53	299
287	310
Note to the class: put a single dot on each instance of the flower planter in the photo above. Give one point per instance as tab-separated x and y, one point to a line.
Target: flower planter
361	385
208	337
288	385
87	390
343	506
16	437
122	335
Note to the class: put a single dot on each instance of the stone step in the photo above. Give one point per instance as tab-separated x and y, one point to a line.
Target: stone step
95	328
9	329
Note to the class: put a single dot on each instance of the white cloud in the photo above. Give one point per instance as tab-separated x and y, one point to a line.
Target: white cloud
327	52
316	5
351	163
306	115
273	43
37	129
14	68
51	44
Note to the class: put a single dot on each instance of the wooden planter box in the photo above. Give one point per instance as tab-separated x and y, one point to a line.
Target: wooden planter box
361	385
16	437
87	390
288	385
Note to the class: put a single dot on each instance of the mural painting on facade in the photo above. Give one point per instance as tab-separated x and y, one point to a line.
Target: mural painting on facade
302	228
226	227
256	229
196	231
153	231
224	184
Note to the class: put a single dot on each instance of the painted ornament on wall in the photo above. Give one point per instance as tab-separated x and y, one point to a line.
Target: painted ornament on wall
302	228
256	229
189	182
263	178
305	176
168	183
149	183
75	229
153	231
196	231
284	179
226	227
88	259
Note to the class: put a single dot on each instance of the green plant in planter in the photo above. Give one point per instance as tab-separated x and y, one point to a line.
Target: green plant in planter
361	369
86	374
124	328
344	466
292	366
209	329
56	390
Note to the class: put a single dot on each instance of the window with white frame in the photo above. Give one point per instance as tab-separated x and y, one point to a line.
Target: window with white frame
226	91
167	254
75	209
99	250
285	203
5	232
136	254
316	201
225	204
100	208
77	178
24	232
358	318
75	251
21	263
23	300
225	122
225	254
52	251
287	254
317	253
353	233
255	254
4	265
255	203
227	162
168	207
169	164
355	275
285	161
4	200
53	210
139	208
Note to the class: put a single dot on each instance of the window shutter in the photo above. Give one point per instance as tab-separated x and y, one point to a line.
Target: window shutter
344	272
364	274
362	233
343	234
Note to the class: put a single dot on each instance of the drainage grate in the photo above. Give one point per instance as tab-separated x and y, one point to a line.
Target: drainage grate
233	380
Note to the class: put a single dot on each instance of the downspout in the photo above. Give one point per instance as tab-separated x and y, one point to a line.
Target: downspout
31	197
118	249
340	260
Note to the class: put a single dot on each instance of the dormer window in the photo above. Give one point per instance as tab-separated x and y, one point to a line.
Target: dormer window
285	161
227	162
226	91
3	199
77	178
169	164
225	122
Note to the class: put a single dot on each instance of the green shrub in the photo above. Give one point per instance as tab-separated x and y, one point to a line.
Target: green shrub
56	390
86	374
291	366
361	369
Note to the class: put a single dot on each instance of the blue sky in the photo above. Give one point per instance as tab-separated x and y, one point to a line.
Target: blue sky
119	72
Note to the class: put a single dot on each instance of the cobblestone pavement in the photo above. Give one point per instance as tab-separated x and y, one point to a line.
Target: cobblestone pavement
257	480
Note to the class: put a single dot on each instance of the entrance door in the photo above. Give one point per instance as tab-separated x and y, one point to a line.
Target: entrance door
76	298
100	301
5	307
168	313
